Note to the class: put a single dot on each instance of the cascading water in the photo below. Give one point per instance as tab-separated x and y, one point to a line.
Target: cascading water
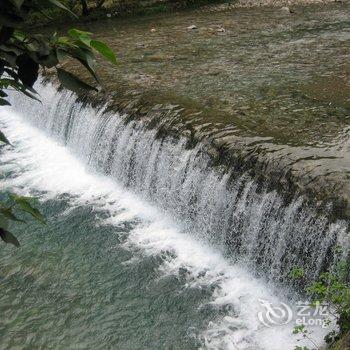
233	212
209	223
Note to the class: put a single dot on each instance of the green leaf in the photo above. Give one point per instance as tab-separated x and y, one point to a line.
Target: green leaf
60	5
84	37
4	139
76	33
298	329
28	69
8	47
104	50
43	45
4	222
61	54
25	206
84	56
71	82
7	212
9	57
4	102
48	61
296	273
19	35
11	73
62	40
27	93
17	3
8	237
27	90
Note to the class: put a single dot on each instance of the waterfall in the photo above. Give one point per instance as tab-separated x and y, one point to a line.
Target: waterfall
246	219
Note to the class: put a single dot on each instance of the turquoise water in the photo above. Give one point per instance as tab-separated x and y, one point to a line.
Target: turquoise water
73	285
111	271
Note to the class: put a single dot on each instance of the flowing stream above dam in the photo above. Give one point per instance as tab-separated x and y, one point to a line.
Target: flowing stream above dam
146	246
245	219
254	72
267	87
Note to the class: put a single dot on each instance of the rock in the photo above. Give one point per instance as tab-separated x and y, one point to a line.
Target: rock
140	78
286	9
192	26
158	57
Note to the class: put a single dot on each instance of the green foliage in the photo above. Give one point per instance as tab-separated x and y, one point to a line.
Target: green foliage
296	273
83	7
22	54
299	329
8	237
9	211
306	334
23	203
97	9
3	138
71	82
104	50
60	5
331	288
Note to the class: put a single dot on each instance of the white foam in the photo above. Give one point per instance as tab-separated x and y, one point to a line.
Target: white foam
48	167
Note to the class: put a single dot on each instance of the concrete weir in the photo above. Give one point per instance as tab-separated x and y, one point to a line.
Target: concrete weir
240	127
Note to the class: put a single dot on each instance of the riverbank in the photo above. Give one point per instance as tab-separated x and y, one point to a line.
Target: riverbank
127	9
275	3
